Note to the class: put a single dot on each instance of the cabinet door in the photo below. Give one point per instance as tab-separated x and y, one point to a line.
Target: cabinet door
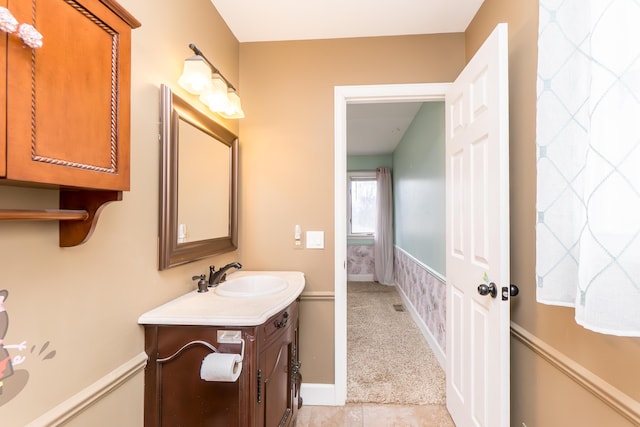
68	101
277	396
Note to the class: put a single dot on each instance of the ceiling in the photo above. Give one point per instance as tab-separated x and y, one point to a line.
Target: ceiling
378	128
260	20
371	128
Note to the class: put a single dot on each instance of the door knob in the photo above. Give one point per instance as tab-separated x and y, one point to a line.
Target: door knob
489	289
513	290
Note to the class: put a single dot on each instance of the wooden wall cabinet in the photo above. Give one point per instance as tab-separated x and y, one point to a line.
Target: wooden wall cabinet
266	394
66	115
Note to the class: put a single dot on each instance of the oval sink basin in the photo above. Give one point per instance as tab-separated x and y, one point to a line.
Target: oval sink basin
251	286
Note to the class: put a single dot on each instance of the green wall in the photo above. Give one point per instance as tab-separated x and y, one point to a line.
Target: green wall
419	188
368	163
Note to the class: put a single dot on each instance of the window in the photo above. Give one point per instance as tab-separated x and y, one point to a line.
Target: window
361	204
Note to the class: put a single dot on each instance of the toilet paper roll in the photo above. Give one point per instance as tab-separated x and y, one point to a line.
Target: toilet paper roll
224	367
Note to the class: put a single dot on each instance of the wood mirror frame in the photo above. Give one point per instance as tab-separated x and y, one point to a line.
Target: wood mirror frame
172	253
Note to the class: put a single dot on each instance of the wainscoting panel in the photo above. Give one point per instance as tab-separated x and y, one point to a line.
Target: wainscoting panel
97	405
622	404
360	263
426	291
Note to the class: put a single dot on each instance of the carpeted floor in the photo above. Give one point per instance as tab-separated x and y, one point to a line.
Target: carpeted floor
388	359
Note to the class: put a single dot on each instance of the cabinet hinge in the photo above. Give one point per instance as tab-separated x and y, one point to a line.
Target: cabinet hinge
259	385
294	364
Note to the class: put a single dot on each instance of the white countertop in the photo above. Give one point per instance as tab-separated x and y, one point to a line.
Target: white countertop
211	309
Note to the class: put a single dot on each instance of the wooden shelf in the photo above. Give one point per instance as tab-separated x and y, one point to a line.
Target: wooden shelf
43	215
78	213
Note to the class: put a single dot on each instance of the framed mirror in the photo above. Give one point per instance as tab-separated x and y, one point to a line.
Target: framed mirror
198	184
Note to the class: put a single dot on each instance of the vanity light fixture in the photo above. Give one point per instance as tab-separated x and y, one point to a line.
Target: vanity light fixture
201	77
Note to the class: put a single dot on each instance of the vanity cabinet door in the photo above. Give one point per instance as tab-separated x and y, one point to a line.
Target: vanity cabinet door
276	404
67	103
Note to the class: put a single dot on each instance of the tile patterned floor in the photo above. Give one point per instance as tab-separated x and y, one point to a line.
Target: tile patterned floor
369	415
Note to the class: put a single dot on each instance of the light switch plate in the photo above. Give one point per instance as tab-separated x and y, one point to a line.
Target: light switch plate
315	239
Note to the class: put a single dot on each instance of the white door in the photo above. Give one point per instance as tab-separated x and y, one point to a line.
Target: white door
477	221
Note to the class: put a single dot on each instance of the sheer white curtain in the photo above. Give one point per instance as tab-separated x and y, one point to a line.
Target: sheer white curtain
383	241
588	143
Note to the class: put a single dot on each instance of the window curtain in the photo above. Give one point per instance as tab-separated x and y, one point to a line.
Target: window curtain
588	162
383	240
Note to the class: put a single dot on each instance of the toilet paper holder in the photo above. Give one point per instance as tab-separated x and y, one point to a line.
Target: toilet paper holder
232	337
224	337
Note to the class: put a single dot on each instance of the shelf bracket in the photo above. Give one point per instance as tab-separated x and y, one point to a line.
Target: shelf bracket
76	232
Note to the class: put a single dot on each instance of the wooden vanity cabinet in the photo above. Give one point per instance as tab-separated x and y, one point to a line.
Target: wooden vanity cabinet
67	102
266	393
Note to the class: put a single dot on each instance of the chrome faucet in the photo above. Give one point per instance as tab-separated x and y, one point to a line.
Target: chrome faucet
217	277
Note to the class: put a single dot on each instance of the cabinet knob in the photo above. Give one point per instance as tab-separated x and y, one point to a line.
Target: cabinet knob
281	323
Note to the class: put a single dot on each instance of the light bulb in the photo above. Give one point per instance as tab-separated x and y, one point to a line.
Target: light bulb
234	110
196	75
216	96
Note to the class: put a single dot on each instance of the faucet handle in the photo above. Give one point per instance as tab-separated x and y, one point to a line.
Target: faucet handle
202	283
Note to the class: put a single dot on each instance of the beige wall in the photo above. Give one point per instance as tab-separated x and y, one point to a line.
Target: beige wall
286	152
85	301
541	395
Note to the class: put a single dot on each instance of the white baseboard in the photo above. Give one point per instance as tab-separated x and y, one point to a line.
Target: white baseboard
319	394
360	277
431	340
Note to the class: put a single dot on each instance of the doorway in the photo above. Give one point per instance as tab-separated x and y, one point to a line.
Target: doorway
477	190
344	95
